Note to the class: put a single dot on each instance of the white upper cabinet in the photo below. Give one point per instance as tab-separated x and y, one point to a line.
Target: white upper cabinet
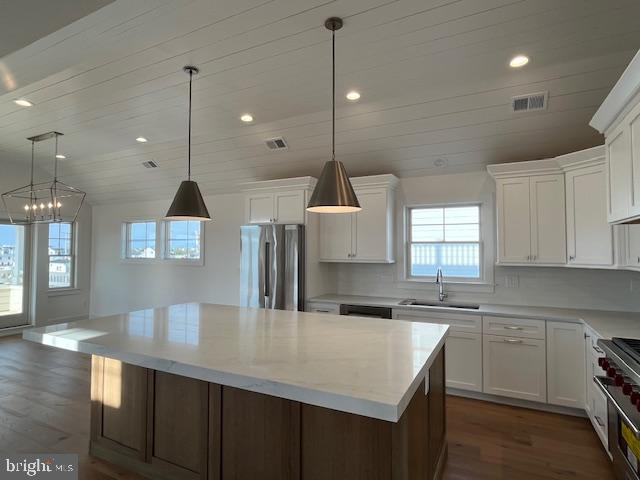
278	201
548	240
618	118
514	220
530	213
366	236
589	235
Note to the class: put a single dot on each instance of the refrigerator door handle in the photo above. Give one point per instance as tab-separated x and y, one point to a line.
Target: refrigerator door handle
267	269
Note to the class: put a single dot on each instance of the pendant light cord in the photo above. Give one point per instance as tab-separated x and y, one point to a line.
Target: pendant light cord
33	148
333	96
189	148
55	162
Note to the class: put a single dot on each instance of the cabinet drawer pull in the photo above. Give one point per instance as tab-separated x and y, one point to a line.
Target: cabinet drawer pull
511	327
511	340
598	420
322	311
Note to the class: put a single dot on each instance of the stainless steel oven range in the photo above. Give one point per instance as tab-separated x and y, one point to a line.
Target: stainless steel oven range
620	382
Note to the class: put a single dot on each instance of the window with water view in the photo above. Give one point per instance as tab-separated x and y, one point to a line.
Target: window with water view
183	240
61	255
141	239
445	237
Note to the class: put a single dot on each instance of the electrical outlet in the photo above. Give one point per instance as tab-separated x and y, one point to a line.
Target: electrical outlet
511	281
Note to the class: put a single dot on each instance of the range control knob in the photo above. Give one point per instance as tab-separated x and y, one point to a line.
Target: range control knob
611	372
627	388
635	396
601	360
605	364
619	380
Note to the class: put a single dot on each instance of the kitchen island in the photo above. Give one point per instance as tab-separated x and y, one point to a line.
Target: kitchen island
202	391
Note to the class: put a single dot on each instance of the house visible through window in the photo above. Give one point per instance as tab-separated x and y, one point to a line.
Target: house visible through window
445	237
183	239
141	240
61	255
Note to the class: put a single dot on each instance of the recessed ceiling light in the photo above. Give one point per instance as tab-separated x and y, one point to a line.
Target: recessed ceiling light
247	118
141	140
60	156
519	61
23	102
353	95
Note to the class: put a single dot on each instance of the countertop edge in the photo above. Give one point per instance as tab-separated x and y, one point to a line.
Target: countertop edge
355	405
484	310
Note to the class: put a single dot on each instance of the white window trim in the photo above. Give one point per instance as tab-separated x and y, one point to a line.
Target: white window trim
164	237
485	283
124	241
73	288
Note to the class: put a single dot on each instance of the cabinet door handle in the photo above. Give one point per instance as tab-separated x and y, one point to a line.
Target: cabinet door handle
599	420
572	258
511	340
597	349
511	327
638	260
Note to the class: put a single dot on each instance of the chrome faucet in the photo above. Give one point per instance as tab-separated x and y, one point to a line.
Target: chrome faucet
440	284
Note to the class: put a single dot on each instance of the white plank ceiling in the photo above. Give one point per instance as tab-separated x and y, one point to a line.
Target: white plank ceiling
434	77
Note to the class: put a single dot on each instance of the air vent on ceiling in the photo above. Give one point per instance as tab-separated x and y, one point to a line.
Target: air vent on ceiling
530	102
277	143
150	164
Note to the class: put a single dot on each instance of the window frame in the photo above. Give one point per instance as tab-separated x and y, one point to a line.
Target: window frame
126	241
165	245
483	261
73	255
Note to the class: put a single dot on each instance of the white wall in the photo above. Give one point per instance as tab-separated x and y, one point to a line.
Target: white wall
540	286
121	286
47	307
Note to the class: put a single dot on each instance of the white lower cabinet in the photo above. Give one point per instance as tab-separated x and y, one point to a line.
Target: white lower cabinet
463	363
595	403
565	364
322	307
515	367
463	348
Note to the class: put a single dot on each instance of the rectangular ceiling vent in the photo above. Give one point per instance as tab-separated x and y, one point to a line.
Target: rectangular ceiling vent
277	143
150	164
530	103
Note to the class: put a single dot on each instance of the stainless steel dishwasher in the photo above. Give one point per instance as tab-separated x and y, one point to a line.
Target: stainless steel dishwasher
365	311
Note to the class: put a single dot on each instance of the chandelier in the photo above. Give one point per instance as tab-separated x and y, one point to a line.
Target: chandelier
44	202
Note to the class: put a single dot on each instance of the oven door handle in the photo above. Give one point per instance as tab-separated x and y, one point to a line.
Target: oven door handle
598	381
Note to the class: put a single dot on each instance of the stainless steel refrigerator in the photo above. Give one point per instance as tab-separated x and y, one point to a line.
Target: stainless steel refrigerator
272	266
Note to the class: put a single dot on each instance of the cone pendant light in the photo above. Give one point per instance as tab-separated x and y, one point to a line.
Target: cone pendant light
188	203
333	192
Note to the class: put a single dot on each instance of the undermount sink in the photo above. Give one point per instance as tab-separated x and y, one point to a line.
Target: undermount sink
424	303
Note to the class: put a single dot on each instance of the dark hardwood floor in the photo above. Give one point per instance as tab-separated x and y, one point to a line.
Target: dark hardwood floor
44	407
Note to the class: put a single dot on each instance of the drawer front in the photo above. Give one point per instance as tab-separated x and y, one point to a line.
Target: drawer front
514	327
458	322
319	307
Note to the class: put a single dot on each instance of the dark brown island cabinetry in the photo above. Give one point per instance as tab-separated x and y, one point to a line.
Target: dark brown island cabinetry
167	426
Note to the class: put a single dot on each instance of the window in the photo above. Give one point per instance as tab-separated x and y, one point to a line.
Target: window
61	255
140	240
445	237
183	239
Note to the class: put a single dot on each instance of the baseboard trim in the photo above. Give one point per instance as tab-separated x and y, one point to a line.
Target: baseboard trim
7	332
516	402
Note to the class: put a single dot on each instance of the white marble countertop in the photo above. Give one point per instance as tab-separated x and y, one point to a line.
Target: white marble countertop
344	363
607	324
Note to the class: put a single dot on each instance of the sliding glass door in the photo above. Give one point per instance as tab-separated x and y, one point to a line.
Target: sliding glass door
14	275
